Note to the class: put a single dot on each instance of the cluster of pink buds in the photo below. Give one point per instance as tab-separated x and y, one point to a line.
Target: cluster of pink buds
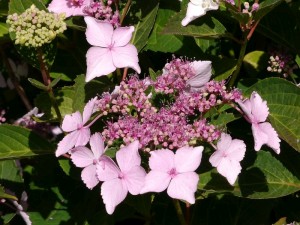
2	118
249	10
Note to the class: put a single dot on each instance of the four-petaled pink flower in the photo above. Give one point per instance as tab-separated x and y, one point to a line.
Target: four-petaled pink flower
227	157
111	48
75	123
175	172
119	181
69	7
89	159
256	112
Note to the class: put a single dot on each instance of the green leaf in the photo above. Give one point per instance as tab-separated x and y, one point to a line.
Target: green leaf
4	195
223	67
19	6
3	30
266	178
38	84
205	27
283	30
255	62
60	75
223	119
10	171
283	100
18	142
144	27
64	98
85	91
55	81
159	42
265	7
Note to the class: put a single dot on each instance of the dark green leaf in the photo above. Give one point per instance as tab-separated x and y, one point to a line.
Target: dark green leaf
19	6
18	142
38	84
255	62
205	27
265	7
64	98
144	27
5	195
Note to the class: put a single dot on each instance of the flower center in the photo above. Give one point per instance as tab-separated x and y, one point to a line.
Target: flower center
121	176
75	3
172	172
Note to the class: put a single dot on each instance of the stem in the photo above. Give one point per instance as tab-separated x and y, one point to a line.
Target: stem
252	30
239	63
124	73
179	212
16	82
188	213
47	81
125	11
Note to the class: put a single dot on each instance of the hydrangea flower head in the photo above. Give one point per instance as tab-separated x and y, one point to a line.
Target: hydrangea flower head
174	171
75	124
111	48
118	181
227	157
257	111
198	8
69	7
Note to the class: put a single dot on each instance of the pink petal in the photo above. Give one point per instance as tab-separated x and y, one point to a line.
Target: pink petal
67	143
184	186
107	169
156	181
128	157
99	62
202	71
216	158
135	179
82	156
97	145
61	6
260	138
224	142
188	158
246	107
162	160
113	193
126	56
259	108
84	137
192	13
122	36
71	122
88	110
89	176
273	140
237	150
229	169
98	33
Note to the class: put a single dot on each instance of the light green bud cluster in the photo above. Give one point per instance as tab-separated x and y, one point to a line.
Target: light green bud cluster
36	27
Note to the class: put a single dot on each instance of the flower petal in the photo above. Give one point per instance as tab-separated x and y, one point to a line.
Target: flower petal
188	158
122	36
128	157
156	181
84	137
67	143
259	108
107	169
97	145
135	179
82	156
162	160
98	33
246	107
202	71
99	62
237	150
71	122
89	176
192	13
260	138
88	110
126	56
224	142
184	186
229	169
59	6
273	140
113	193
216	158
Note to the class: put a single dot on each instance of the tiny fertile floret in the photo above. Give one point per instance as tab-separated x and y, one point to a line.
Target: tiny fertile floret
34	27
